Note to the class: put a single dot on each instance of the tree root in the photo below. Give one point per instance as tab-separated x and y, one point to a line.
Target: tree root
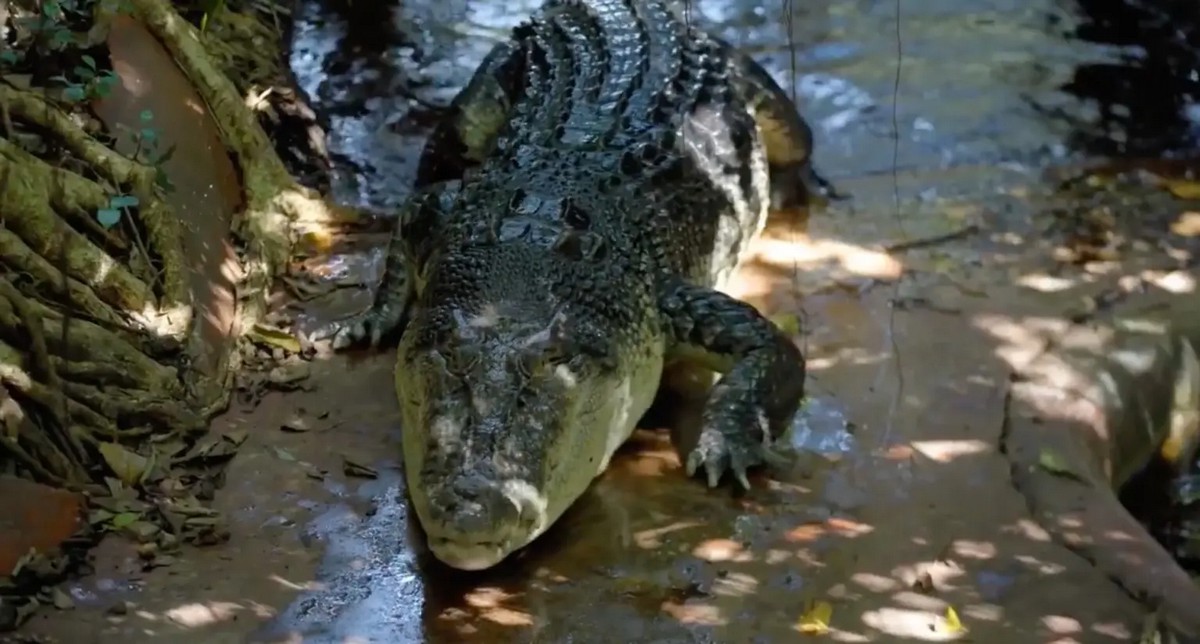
20	258
161	226
27	203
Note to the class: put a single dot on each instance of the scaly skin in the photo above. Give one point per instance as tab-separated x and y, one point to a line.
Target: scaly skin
586	194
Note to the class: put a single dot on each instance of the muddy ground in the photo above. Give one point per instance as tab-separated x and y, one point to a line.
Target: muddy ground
901	503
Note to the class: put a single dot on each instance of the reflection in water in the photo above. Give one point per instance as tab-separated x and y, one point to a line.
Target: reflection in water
1147	100
821	427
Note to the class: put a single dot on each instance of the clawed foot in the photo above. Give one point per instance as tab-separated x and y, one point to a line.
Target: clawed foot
365	329
728	446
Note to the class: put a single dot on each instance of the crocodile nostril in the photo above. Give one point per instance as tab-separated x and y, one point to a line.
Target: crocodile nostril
475	510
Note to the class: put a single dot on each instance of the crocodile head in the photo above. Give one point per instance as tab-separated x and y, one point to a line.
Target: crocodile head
509	411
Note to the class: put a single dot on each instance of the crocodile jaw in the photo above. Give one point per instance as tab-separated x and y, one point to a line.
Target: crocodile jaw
484	554
579	459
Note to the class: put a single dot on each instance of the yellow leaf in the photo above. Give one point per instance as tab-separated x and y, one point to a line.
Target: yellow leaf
815	620
1184	189
128	466
953	623
262	334
788	323
317	240
1188	225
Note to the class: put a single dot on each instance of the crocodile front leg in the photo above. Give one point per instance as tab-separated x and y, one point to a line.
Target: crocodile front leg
417	226
762	385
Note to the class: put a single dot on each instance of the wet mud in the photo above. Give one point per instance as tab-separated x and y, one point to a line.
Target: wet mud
916	299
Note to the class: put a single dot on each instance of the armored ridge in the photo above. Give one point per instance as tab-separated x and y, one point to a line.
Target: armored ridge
599	177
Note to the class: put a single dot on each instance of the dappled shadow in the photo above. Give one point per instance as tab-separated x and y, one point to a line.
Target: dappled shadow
1145	98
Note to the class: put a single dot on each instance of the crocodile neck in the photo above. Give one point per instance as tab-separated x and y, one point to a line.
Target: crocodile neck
599	75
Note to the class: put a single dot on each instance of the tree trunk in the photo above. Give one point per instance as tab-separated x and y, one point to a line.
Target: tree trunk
111	364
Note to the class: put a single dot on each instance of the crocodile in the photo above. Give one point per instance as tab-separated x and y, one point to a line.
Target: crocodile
575	212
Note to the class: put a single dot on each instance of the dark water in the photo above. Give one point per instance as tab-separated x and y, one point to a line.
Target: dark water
1147	99
1014	83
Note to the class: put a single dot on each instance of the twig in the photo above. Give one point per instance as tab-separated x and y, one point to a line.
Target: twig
925	242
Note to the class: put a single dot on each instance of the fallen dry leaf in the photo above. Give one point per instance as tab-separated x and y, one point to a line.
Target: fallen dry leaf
128	466
1184	189
1187	225
262	334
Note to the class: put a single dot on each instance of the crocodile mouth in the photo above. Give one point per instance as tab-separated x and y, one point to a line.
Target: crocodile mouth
470	556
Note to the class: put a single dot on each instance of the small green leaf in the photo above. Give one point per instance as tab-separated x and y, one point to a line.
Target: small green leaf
124	519
89	61
108	217
104	84
60	38
1054	463
123	201
149	134
84	73
9	56
74	93
146	116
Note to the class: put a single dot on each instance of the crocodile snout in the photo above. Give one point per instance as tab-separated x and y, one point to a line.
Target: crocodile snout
474	509
472	523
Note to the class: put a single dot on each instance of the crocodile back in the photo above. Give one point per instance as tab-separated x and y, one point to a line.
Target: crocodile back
633	120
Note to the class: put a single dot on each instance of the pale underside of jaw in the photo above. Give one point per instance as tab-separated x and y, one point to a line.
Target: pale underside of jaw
470	557
482	553
477	555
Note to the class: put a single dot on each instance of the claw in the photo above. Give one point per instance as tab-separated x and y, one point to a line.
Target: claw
719	453
714	474
364	328
742	480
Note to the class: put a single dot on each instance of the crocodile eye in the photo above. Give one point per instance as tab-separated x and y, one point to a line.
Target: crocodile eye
537	358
